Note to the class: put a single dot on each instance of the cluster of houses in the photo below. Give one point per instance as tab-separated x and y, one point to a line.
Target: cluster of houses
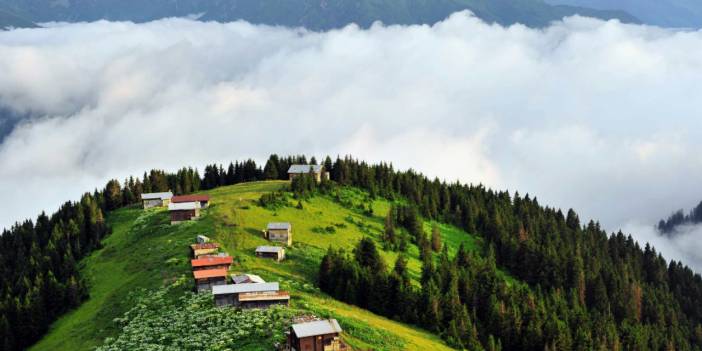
210	269
250	291
181	208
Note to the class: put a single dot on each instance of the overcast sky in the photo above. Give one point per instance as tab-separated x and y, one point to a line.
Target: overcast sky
597	116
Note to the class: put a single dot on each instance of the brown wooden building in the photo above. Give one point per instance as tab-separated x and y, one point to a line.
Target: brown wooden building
275	252
323	335
184	211
250	295
204	249
213	262
208	278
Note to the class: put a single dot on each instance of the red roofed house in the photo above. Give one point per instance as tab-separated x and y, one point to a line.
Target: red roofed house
204	200
214	262
207	278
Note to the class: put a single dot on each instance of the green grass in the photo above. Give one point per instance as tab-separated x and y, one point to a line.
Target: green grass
144	251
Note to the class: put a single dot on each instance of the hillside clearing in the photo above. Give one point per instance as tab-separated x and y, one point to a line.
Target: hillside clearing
144	251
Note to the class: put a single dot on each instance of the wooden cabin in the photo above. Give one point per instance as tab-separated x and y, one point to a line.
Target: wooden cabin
184	211
275	252
279	232
150	200
204	249
317	171
263	299
203	200
214	262
207	278
246	278
250	295
323	335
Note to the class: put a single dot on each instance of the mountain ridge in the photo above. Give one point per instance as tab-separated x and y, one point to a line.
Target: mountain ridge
9	19
665	13
311	14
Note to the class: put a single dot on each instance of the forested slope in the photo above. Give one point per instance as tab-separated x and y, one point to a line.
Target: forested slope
527	276
145	251
679	219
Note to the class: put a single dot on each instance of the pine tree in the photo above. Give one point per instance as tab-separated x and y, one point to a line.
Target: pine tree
432	318
389	236
435	238
113	195
326	271
270	170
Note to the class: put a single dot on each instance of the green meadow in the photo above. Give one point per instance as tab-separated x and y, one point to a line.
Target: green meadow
145	251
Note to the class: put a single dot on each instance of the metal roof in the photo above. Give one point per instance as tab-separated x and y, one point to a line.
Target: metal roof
269	249
279	225
210	273
183	206
190	198
297	169
241	278
211	261
153	196
328	326
244	288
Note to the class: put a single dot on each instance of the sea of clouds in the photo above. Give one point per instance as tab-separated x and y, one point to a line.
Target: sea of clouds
598	116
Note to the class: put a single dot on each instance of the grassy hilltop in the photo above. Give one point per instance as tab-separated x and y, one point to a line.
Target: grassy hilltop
145	251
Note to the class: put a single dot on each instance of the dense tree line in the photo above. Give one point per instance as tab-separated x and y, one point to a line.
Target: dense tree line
679	218
39	259
585	289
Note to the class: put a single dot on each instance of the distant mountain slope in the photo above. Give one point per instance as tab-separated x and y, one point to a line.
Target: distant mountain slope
312	14
9	19
665	13
678	219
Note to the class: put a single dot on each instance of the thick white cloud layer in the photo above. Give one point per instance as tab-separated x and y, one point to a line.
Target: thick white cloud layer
598	116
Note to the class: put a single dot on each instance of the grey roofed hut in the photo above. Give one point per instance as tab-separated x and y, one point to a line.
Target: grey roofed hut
150	200
317	335
300	169
316	170
327	326
183	211
280	232
279	226
275	252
